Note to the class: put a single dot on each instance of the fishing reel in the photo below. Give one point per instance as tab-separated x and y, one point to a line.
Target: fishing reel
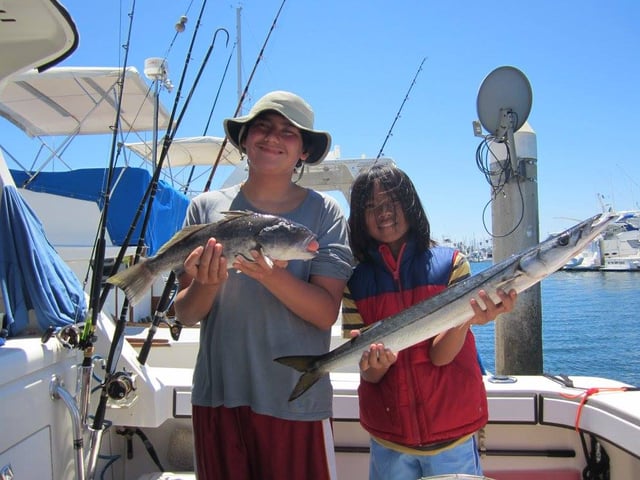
120	388
175	328
69	336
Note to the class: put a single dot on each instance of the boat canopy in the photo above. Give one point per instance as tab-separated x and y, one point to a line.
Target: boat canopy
190	151
79	101
128	189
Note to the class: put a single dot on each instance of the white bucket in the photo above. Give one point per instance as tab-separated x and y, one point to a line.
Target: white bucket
453	476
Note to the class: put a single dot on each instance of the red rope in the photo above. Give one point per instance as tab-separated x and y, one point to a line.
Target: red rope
585	396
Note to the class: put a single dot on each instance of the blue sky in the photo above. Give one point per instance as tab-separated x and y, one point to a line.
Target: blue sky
354	62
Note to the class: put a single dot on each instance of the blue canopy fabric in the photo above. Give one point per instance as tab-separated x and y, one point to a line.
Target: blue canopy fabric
129	186
32	274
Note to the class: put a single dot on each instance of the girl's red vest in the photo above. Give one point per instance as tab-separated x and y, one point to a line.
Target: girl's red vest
417	403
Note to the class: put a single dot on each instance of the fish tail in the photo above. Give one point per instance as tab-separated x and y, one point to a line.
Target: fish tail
310	374
134	280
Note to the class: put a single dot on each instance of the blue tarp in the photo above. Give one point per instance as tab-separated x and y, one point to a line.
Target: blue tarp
32	275
167	214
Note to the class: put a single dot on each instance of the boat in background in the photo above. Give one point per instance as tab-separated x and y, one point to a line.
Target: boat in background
542	426
617	249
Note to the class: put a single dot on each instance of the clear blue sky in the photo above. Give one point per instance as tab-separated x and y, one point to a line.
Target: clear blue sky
354	62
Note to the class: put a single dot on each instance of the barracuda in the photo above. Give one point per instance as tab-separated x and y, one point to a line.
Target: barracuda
451	307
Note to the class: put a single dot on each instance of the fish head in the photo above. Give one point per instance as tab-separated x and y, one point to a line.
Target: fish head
287	240
557	250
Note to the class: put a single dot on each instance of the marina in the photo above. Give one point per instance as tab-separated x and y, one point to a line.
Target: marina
616	250
596	339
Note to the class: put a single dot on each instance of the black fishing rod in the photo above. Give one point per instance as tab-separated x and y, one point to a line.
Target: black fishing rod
213	106
118	336
169	290
87	337
242	97
400	109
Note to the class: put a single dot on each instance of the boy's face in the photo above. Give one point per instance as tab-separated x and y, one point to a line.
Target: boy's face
273	144
385	219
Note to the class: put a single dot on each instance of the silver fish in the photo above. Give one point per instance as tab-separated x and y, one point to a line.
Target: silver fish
239	232
451	307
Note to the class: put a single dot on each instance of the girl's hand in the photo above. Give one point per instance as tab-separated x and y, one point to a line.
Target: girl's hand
377	358
492	310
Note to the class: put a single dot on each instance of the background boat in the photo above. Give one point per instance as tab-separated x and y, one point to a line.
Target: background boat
618	249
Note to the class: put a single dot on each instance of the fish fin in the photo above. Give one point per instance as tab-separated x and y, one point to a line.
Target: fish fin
229	214
306	381
181	235
310	375
302	363
134	280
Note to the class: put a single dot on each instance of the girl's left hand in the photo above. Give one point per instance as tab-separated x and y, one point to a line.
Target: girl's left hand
492	309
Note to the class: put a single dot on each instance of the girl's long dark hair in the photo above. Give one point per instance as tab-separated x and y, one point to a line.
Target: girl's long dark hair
399	186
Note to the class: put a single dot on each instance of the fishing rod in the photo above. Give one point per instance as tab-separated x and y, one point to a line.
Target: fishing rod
118	336
166	298
169	291
152	187
98	266
400	109
213	106
242	97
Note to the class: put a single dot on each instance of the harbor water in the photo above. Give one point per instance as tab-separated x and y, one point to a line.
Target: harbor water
590	325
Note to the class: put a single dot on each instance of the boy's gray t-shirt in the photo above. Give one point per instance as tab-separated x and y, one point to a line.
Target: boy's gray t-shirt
248	327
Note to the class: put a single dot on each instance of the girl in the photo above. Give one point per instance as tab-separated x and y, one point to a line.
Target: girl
422	405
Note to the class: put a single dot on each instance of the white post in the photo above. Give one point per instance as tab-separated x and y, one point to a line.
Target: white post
518	340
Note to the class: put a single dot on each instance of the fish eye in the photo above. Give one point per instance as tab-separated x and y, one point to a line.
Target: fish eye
563	240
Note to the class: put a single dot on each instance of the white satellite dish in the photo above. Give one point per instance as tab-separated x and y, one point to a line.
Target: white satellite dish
504	101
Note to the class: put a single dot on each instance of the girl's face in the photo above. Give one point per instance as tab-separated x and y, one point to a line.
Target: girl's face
385	219
273	144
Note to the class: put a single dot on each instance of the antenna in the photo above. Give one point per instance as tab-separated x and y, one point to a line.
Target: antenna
503	105
504	101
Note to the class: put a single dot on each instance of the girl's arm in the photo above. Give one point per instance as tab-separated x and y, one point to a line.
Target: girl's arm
448	344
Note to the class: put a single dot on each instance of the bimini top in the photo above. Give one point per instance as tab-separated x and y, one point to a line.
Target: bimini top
79	101
190	151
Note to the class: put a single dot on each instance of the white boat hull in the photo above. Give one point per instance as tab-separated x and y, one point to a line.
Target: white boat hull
531	426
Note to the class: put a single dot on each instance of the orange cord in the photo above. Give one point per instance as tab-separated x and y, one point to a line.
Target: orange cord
585	396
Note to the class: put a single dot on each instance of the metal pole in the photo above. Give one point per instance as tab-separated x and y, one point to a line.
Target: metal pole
239	56
518	334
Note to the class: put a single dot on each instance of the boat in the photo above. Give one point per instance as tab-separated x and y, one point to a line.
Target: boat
617	249
540	426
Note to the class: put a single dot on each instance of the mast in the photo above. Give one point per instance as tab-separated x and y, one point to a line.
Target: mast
239	56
